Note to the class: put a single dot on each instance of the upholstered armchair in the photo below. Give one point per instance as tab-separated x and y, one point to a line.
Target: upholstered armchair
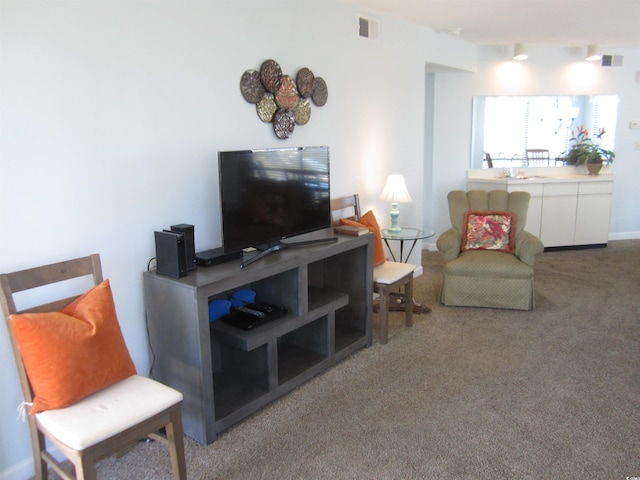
488	255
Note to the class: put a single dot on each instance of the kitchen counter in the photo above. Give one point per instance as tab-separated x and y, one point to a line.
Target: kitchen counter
568	208
538	175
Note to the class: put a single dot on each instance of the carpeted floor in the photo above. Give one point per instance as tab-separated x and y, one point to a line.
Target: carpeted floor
465	393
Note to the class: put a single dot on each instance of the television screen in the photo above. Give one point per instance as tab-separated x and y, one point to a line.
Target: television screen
271	194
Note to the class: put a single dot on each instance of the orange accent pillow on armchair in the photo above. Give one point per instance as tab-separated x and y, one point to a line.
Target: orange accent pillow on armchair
70	354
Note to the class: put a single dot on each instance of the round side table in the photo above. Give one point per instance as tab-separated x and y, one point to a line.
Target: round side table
412	235
406	234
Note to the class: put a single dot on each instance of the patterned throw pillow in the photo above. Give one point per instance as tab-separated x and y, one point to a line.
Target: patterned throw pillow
484	230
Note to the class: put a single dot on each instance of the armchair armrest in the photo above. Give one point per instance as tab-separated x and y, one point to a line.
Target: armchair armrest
449	244
527	247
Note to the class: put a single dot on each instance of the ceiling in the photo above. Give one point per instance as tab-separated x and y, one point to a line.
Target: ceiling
553	23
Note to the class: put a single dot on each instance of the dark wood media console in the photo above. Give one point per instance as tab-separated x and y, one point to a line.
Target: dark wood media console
226	373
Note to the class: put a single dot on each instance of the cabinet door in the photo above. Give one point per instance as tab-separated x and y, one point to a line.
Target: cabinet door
534	212
534	216
559	207
592	219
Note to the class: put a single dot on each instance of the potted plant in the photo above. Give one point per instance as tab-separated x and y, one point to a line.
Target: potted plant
587	151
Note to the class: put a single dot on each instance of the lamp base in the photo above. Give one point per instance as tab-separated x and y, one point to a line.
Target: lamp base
395	213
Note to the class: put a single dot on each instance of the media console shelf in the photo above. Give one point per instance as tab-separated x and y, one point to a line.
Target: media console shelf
226	373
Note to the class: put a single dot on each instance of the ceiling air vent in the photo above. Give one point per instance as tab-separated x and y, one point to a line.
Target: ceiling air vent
611	60
368	28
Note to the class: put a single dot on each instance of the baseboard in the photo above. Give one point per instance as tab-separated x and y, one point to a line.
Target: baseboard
24	470
431	247
19	471
624	236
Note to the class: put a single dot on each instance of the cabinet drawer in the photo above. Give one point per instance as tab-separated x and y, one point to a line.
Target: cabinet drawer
488	186
560	189
535	189
595	187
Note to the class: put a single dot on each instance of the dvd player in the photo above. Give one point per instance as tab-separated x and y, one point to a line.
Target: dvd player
215	256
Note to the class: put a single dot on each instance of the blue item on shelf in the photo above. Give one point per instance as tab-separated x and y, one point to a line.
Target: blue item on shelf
218	308
242	297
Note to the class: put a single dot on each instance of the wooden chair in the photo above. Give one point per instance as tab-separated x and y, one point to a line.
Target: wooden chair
488	159
102	424
538	157
390	279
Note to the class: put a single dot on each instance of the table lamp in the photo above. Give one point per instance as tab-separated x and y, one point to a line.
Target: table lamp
395	191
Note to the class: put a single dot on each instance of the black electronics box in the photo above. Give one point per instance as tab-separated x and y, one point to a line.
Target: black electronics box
171	258
253	314
215	257
189	243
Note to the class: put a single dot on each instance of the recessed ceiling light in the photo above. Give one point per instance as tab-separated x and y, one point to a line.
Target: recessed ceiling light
520	52
593	53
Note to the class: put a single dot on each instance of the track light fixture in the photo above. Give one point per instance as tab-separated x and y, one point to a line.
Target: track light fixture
593	53
520	52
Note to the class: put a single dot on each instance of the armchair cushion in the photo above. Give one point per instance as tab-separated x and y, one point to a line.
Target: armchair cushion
70	354
484	230
527	247
449	243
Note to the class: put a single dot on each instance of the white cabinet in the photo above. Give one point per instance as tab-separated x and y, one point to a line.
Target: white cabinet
564	211
534	214
558	220
594	202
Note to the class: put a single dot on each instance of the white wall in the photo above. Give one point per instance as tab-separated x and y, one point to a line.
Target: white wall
113	113
548	71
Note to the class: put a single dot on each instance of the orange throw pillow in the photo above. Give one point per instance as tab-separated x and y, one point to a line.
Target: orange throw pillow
70	354
369	221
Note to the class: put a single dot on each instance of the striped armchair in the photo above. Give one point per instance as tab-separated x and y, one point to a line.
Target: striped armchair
488	278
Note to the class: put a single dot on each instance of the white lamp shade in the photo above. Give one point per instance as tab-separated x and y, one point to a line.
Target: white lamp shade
395	190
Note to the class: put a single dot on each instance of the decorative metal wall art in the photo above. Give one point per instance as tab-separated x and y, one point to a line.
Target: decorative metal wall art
281	100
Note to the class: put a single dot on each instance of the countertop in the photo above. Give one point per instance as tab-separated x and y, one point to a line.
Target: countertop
537	175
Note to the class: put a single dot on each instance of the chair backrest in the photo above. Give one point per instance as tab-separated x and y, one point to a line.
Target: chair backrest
461	202
538	157
345	207
488	159
33	278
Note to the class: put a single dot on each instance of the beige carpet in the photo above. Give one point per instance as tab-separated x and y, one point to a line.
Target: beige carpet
465	393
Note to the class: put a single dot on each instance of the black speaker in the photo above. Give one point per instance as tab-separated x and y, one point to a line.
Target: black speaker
171	258
189	243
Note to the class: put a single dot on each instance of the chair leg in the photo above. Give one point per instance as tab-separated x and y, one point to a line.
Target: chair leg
383	316
175	442
408	302
86	468
38	445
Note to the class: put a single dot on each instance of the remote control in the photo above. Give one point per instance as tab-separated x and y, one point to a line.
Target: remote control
251	311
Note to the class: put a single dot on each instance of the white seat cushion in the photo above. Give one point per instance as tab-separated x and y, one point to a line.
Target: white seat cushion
389	272
108	411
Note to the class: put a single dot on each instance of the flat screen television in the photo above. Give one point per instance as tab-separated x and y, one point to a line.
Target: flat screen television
269	195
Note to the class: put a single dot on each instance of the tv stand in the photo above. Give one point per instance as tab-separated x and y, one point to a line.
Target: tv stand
226	373
280	245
